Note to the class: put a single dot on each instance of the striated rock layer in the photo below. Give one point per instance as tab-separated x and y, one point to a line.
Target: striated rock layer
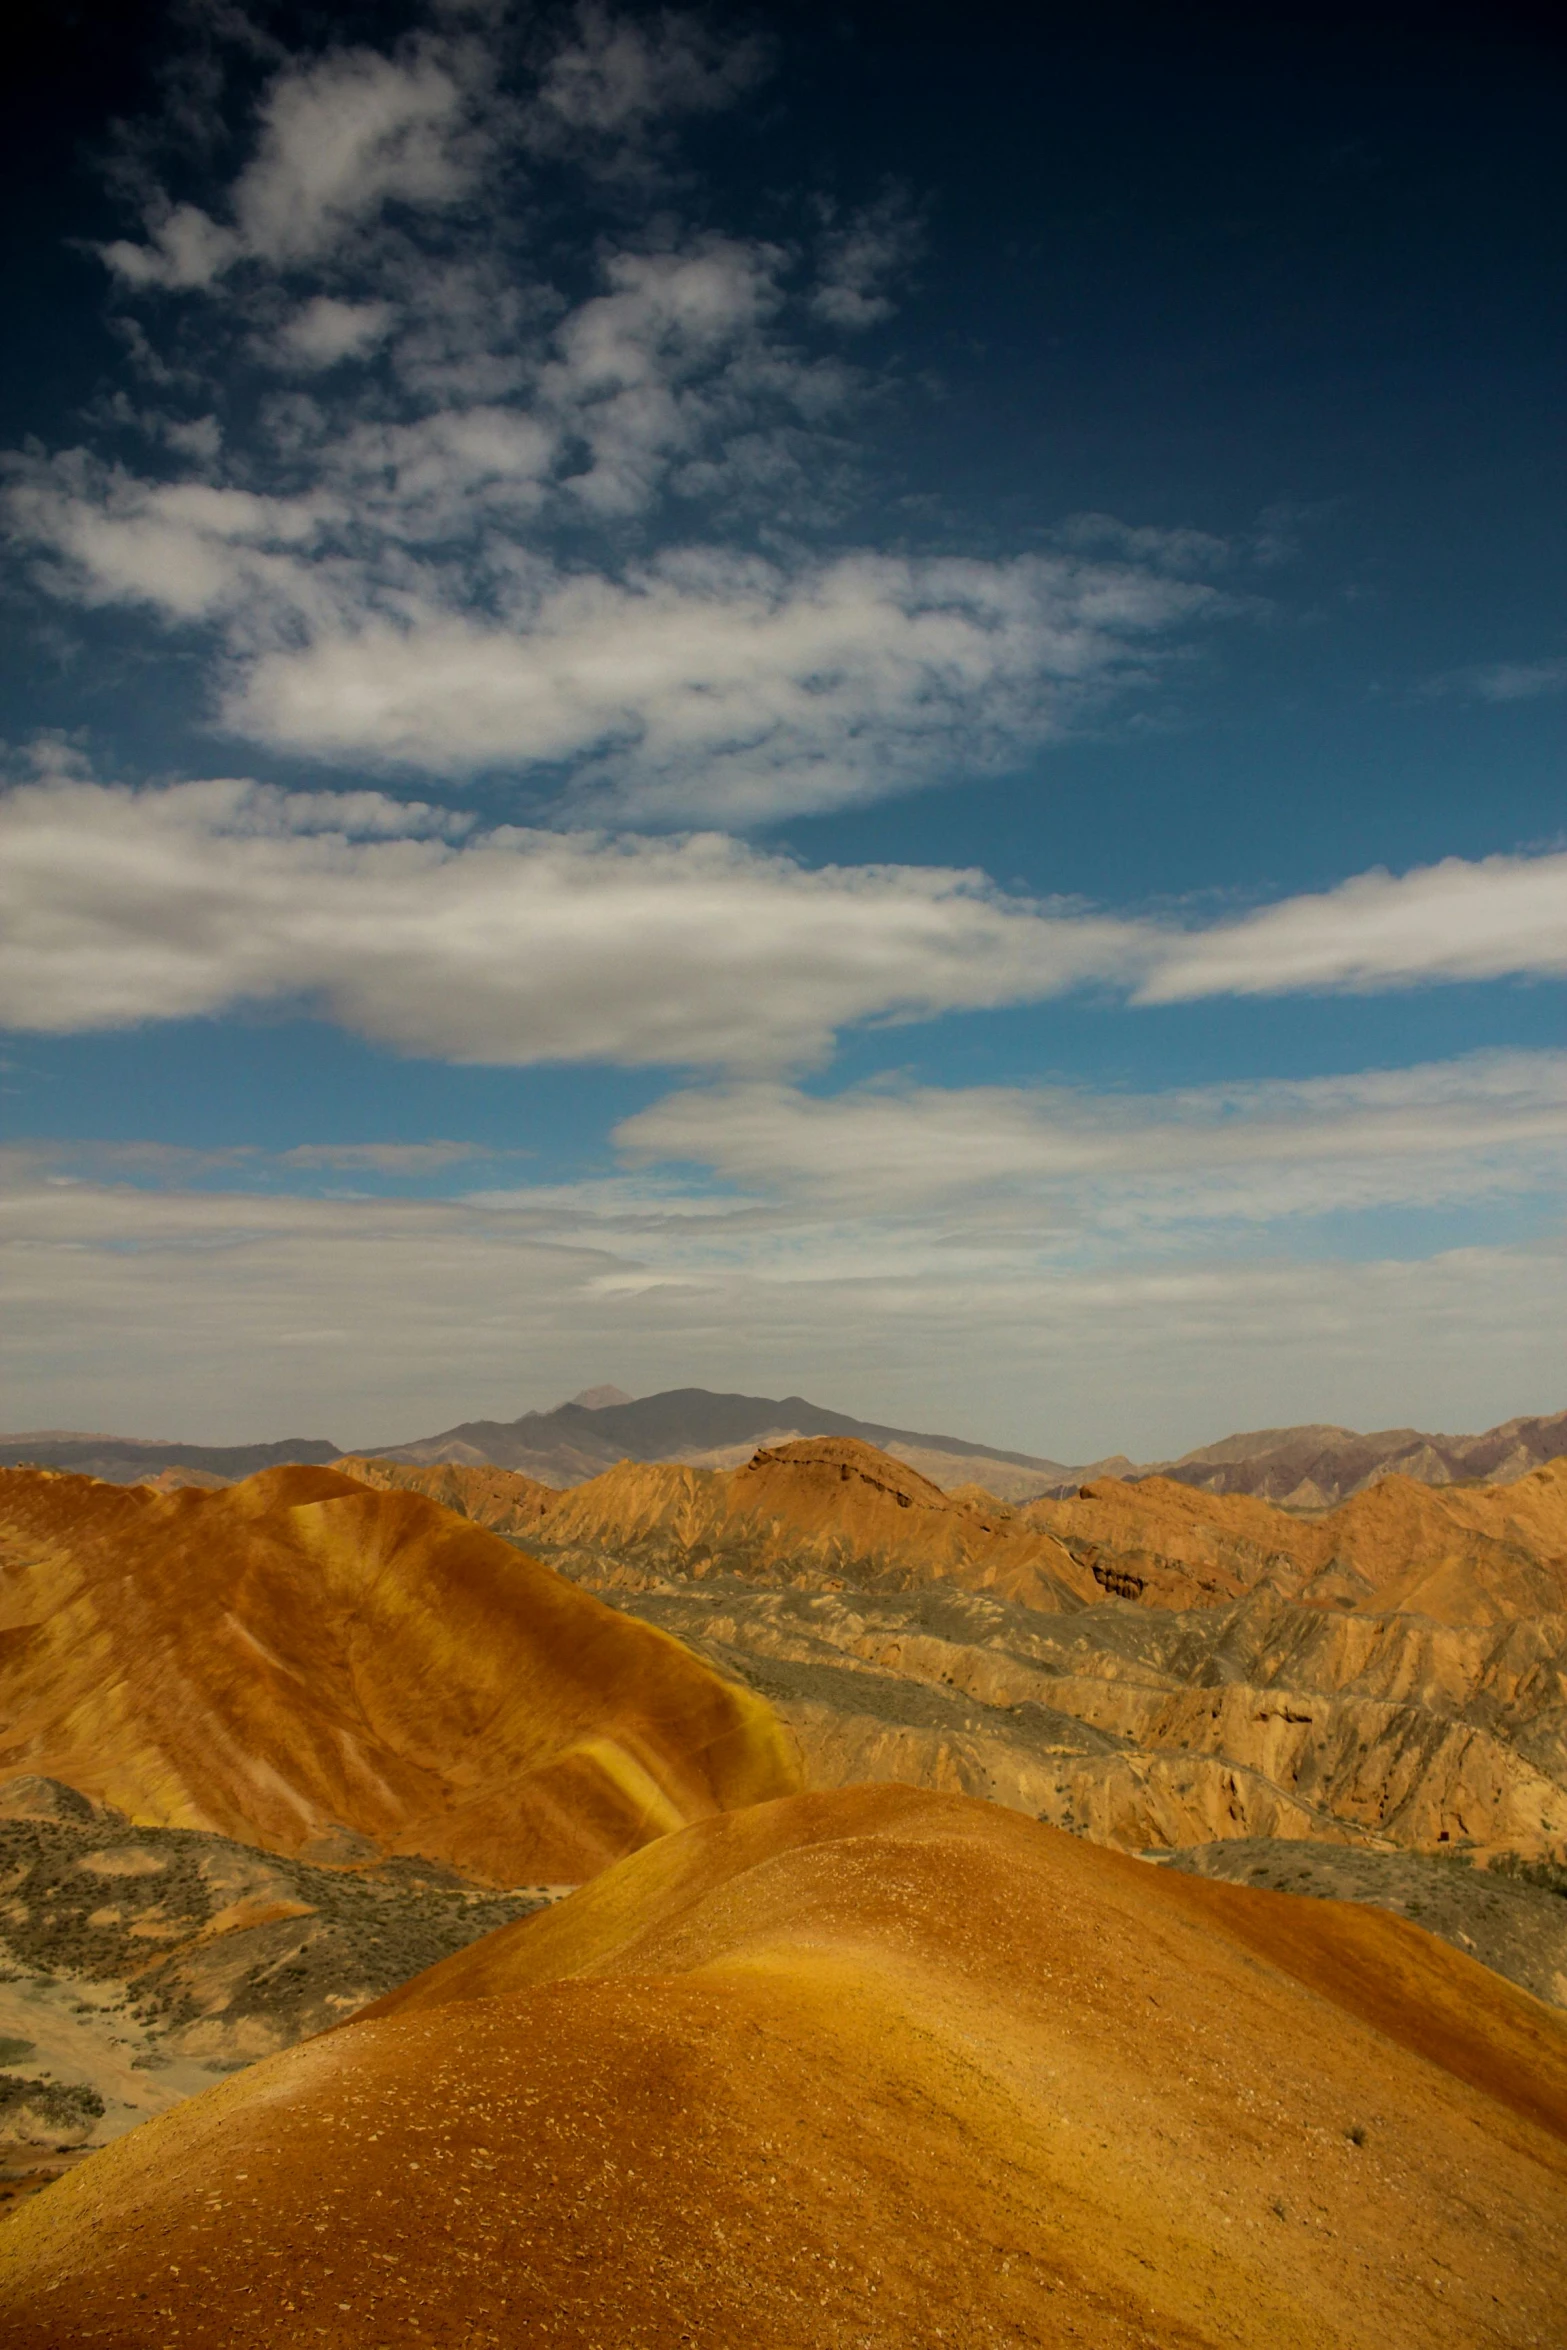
876	2069
325	1671
1153	1666
808	1513
803	1513
1459	1554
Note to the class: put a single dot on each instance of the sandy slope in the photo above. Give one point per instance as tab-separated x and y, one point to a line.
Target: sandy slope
304	1665
873	2068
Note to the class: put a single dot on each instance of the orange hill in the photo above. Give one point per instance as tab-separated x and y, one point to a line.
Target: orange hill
879	2069
831	1506
293	1657
826	1507
1475	1554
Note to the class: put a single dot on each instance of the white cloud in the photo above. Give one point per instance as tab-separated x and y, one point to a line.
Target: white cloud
446	563
506	947
1521	681
1004	1168
1504	681
345	135
380	1158
192	549
701	684
722	687
185	249
615	76
411	925
226	1315
1495	918
860	255
326	330
340	136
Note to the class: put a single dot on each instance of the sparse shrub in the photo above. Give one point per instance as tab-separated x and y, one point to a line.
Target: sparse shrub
1549	1876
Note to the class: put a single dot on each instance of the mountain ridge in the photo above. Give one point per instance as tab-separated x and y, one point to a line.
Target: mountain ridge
1311	1466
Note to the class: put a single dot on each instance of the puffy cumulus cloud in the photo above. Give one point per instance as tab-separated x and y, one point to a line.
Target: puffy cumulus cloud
192	549
723	687
701	684
1489	919
505	946
339	137
229	1314
529	519
325	330
1005	1168
614	77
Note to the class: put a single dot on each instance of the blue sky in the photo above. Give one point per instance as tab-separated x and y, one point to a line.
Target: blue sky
855	700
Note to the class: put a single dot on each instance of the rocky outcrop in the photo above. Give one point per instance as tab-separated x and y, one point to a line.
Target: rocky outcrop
828	1509
1157	1667
1154	1730
1465	1555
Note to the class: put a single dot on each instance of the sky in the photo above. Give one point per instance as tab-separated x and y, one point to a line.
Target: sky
855	700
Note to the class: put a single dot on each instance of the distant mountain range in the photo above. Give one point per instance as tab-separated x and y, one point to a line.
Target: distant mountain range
1306	1467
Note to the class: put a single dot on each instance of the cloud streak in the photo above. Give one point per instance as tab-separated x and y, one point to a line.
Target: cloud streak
1495	918
506	946
1003	1169
413	926
232	1315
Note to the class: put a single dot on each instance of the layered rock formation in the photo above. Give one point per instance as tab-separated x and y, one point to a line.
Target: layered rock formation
873	2068
1155	1667
327	1672
1458	1554
801	1513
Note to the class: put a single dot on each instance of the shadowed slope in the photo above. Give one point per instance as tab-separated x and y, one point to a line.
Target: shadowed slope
874	2068
296	1656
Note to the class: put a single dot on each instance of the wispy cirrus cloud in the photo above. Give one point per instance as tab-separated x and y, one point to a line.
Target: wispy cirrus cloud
1046	1167
1505	681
